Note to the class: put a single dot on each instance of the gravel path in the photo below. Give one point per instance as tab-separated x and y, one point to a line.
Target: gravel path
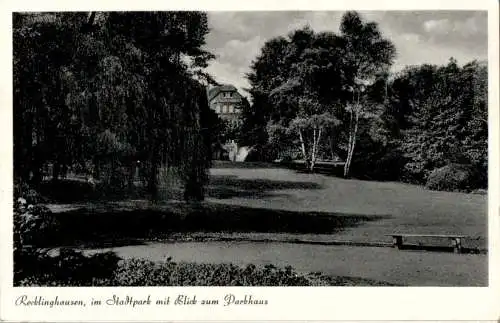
412	268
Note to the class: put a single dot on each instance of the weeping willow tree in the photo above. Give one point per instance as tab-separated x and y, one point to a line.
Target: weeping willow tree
114	88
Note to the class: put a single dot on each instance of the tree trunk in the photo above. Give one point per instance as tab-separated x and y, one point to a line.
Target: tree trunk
24	163
332	147
313	152
352	142
316	140
304	151
37	176
131	175
346	164
56	169
153	181
97	168
37	168
64	170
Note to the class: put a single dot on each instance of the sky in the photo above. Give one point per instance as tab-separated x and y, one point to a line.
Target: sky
419	36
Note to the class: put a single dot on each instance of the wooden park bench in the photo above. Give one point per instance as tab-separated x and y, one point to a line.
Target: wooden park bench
456	240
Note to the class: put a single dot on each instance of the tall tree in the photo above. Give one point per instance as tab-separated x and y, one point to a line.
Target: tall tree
267	72
292	98
119	81
44	126
447	117
367	55
315	79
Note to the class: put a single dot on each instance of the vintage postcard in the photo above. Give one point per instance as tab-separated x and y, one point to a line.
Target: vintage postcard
216	161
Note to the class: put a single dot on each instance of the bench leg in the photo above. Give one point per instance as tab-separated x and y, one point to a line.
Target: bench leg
397	242
457	245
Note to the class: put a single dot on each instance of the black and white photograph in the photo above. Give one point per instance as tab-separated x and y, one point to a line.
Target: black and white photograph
250	149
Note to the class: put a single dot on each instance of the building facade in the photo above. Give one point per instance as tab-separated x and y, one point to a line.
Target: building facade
225	100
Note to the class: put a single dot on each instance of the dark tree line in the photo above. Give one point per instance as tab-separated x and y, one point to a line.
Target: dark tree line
101	91
322	95
439	117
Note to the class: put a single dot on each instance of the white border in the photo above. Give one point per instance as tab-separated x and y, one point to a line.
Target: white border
336	303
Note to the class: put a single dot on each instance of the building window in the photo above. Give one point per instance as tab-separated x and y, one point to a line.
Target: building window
230	109
217	108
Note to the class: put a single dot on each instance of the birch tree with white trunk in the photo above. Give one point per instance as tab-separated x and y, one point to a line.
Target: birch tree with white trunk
311	120
367	55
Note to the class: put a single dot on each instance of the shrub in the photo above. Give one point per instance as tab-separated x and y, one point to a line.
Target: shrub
36	224
30	195
376	161
33	224
115	177
453	177
138	272
69	268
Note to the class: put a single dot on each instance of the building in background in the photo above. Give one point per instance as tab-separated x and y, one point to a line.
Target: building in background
225	100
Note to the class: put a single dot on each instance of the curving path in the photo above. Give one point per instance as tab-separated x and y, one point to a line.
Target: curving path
410	268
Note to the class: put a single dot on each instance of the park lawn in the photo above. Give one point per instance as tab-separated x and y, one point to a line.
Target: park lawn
395	207
270	203
282	205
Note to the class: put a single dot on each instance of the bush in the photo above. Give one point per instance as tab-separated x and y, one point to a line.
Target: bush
454	177
30	195
376	161
146	273
33	223
115	177
72	268
69	268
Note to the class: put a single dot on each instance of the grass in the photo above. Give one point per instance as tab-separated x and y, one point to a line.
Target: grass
112	222
278	204
400	207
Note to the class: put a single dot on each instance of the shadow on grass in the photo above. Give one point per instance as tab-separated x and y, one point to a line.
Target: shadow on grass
228	186
106	226
334	170
221	187
229	164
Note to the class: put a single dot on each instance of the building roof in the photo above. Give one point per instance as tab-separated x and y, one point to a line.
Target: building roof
213	92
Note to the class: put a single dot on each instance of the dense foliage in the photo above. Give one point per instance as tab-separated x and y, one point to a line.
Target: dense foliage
98	92
310	89
454	177
441	114
32	222
323	95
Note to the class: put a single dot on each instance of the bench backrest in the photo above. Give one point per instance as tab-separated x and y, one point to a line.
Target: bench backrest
427	235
